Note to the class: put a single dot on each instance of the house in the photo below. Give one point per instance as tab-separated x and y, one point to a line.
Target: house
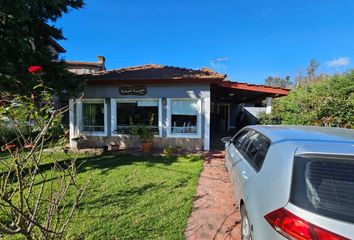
86	67
184	107
55	48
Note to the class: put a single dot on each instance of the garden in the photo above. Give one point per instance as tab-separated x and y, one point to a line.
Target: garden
129	197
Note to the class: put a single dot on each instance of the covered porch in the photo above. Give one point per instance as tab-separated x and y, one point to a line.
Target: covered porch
235	105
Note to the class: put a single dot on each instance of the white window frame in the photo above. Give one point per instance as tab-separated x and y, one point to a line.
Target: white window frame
198	134
114	113
80	117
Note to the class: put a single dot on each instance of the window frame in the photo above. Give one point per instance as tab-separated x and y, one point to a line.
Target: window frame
114	114
198	134
81	117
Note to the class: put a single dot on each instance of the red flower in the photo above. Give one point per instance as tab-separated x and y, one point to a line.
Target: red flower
35	69
9	146
28	146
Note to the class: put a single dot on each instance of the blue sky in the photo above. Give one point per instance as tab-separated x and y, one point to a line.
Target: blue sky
248	40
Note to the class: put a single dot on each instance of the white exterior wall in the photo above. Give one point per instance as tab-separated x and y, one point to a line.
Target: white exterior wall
110	95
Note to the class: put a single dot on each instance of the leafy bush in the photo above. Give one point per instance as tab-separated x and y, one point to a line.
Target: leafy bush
8	133
327	101
171	150
146	134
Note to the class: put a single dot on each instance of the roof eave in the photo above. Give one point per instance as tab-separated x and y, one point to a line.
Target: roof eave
256	88
57	46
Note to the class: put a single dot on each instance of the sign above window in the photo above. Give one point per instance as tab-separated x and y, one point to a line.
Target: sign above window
133	90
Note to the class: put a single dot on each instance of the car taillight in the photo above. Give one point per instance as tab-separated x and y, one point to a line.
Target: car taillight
293	227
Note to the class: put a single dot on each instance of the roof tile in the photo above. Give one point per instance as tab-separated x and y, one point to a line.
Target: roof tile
155	72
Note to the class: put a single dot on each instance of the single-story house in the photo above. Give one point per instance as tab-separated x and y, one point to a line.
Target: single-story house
184	107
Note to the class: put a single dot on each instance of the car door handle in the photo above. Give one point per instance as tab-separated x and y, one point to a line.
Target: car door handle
244	176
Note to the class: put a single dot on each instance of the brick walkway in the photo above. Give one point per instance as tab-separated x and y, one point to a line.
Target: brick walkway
214	215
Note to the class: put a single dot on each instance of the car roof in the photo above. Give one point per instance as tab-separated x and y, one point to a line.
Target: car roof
279	133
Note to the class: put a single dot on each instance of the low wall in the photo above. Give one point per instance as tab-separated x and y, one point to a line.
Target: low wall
129	141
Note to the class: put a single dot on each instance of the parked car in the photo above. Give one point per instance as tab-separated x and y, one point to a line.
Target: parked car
293	182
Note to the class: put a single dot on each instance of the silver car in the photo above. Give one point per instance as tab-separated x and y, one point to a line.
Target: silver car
293	182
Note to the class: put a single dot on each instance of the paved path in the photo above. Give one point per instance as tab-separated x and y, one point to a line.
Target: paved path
214	215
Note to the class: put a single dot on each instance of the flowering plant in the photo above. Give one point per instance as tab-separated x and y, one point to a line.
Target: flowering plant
35	69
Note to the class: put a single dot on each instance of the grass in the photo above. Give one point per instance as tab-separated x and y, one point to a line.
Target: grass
47	158
133	197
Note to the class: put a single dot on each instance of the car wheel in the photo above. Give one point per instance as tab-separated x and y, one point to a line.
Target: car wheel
245	225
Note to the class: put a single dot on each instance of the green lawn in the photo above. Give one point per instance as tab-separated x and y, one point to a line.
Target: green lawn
135	197
47	158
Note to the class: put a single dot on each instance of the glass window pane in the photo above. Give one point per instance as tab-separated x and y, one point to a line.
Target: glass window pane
147	103
93	117
137	113
255	147
184	116
240	138
184	124
184	107
324	186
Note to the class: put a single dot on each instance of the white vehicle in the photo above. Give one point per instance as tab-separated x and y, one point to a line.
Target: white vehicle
293	182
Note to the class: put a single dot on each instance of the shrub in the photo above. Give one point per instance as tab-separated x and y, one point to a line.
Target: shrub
171	151
8	134
328	101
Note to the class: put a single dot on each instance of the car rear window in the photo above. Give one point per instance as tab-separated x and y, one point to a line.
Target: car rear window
324	186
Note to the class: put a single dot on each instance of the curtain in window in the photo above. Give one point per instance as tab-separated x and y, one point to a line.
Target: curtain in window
184	116
184	107
93	117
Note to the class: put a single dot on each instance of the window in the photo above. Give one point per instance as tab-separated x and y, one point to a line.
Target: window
93	116
324	186
134	113
239	139
185	117
254	148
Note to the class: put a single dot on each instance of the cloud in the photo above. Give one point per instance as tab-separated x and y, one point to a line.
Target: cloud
338	62
219	62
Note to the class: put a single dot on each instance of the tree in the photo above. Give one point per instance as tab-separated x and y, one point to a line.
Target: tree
35	202
312	68
278	82
312	74
26	32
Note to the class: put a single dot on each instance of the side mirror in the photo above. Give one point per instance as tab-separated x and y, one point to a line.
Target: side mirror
226	140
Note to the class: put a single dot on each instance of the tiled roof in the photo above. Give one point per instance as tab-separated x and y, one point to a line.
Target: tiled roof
78	63
154	72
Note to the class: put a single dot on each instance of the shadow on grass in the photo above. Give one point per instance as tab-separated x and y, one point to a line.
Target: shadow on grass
121	199
103	162
107	162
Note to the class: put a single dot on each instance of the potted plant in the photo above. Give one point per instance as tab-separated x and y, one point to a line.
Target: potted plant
144	132
146	136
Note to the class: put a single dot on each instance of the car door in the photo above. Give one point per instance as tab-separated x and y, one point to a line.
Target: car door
232	156
245	169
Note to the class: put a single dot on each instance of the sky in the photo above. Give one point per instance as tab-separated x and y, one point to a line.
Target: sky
248	40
